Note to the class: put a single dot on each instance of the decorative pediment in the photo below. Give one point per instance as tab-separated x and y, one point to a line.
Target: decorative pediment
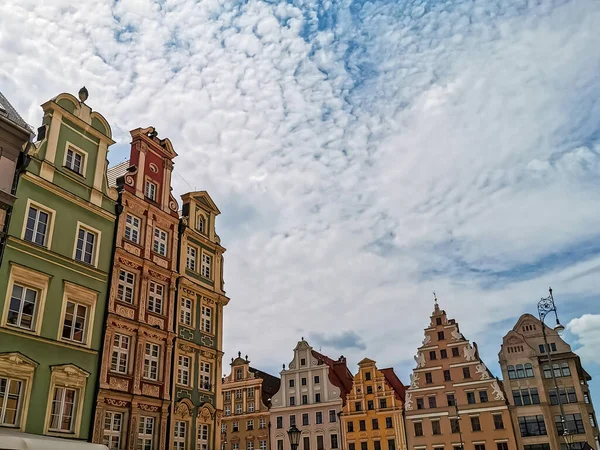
70	375
17	364
206	412
184	408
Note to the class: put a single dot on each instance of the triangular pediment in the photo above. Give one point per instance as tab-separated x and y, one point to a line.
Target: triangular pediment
17	358
205	200
366	362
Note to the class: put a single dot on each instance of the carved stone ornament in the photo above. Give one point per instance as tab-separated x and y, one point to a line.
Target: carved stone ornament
125	312
427	339
159	276
469	352
182	410
152	321
129	263
455	334
149	408
414	380
152	391
132	249
118	384
408	402
420	359
185	347
483	371
116	403
497	392
161	262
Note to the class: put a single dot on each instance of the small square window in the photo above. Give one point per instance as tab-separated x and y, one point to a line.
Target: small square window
466	372
432	355
303	361
440	336
443	354
455	351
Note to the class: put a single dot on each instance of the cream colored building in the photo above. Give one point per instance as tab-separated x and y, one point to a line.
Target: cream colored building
533	401
311	397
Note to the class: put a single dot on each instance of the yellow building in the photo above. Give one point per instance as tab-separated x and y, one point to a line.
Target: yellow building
372	416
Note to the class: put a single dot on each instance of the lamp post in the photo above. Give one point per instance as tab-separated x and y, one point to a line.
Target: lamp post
545	306
294	435
459	430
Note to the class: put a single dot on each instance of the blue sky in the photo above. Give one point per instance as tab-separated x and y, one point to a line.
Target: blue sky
364	154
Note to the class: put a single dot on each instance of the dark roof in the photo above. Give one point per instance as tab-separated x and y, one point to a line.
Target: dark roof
10	113
270	385
339	374
394	382
115	172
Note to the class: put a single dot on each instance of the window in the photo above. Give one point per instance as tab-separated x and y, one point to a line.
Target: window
239	394
250	445
236	426
592	421
318	417
440	335
351	446
483	396
291	383
74	161
451	400
438	320
357	406
239	374
205	377
279	444
227	410
528	371
190	261
305	419
466	372
364	446
428	378
150	190
391	444
202	438
369	389
475	425
532	426
11	392
388	422
455	351
350	427
520	371
537	447
179	434
63	409
145	433
74	322
332	415
542	349
375	424
303	381
262	423
132	228
250	392
279	422
334	441
547	371
200	223
206	262
250	424
573	422
418	428
120	353
302	361
160	242
586	398
206	319
567	395
36	229
22	307
432	355
306	443
432	402
370	405
420	403
155	297
565	370
113	425
376	445
443	354
317	398
317	380
553	346
447	375
498	422
479	446
320	444
382	403
151	361
435	427
512	374
125	286
471	398
501	445
362	425
183	370
292	401
85	247
185	314
223	427
236	446
292	420
304	399
454	425
368	376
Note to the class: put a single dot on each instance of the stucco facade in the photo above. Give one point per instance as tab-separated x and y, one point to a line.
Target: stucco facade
135	378
531	393
372	418
54	275
449	372
247	396
312	394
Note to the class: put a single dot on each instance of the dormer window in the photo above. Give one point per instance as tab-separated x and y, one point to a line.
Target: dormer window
200	224
74	160
150	191
239	374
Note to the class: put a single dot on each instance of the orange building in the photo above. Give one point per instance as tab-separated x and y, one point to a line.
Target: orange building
453	400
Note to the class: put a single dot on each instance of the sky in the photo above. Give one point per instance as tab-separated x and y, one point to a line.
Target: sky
363	153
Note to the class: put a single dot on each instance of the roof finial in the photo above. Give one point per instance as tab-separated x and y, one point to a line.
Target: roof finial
434	297
239	354
436	307
246	357
302	338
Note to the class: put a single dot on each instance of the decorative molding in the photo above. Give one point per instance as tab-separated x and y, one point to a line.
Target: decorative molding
125	312
116	403
158	275
152	321
118	384
150	390
148	408
132	249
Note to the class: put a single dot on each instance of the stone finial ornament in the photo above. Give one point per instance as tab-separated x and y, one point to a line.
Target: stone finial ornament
83	94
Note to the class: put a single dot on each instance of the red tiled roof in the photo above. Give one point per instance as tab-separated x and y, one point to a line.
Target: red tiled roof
339	375
394	382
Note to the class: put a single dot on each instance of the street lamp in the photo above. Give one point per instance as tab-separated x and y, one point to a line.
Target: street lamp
546	305
458	421
294	435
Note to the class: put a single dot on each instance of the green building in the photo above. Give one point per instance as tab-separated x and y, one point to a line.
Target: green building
54	275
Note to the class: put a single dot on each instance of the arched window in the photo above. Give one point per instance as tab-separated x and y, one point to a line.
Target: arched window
547	371
520	371
566	371
528	370
200	224
511	372
556	369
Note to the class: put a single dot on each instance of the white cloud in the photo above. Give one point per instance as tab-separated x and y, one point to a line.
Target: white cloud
587	329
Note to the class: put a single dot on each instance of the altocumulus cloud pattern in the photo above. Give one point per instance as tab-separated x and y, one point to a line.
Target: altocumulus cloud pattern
364	153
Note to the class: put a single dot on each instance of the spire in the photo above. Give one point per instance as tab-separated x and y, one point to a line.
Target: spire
436	307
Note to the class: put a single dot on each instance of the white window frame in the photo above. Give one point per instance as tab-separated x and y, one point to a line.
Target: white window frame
250	424
160	243
4	401
156	292
126	287
251	406
227	395
206	319
120	353
151	361
206	266
22	302
145	439
262	423
150	190
49	225
131	229
262	445
235	446
61	393
75	150
201	223
79	296
249	445
112	436
205	376
191	260
203	436
227	410
179	435
97	237
238	408
184	364
186	311
86	325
